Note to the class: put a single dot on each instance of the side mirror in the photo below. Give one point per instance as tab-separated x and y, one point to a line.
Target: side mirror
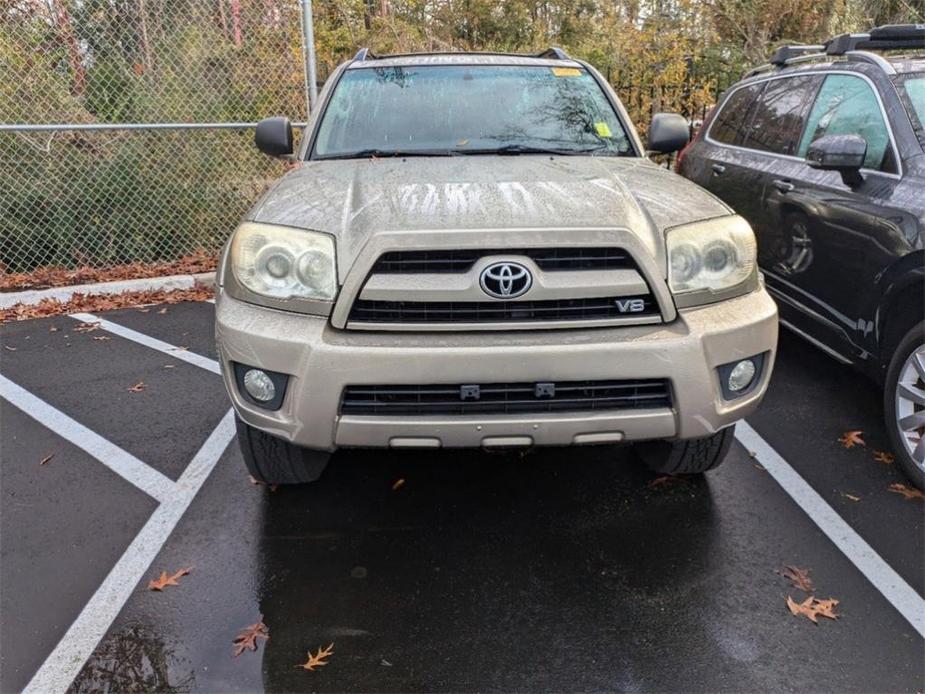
274	136
668	133
842	153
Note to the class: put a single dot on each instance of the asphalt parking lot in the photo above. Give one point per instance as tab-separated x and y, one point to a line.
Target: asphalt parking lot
571	569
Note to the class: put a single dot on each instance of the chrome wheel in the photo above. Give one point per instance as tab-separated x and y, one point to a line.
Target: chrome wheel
910	406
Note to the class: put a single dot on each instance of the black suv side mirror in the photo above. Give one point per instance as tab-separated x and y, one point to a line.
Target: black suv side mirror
842	153
668	133
274	136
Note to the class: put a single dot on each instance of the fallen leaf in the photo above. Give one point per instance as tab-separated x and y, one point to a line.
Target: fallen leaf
884	457
850	497
906	491
170	366
12	349
850	439
760	467
318	659
812	608
163	311
137	388
164	580
144	310
752	454
798	577
102	337
87	327
46	459
663	480
399	483
247	639
53	329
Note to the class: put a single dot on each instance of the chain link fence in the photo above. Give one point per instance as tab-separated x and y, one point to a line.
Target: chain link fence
126	131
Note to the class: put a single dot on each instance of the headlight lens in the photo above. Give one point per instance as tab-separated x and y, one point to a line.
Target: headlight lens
712	255
284	263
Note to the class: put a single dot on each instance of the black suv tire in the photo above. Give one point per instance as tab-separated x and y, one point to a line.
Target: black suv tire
913	340
274	461
689	457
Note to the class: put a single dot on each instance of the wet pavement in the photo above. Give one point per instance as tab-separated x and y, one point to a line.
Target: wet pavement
560	569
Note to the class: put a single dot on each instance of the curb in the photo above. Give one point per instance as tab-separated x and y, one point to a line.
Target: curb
32	297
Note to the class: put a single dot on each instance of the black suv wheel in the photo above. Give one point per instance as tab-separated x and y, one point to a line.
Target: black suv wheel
904	404
274	461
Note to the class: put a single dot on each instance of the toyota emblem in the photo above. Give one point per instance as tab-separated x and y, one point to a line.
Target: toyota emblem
505	280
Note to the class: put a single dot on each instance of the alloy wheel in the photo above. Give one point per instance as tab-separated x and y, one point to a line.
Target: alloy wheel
910	406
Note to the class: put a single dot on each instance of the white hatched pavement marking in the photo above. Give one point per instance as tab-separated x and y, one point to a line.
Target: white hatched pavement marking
882	576
124	464
152	342
67	659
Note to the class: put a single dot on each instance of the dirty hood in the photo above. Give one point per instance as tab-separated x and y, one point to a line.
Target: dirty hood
353	199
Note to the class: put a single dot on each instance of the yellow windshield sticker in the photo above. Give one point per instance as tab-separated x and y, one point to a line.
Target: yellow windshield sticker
566	72
602	129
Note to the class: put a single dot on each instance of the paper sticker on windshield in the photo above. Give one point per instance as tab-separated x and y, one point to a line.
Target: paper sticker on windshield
566	72
602	129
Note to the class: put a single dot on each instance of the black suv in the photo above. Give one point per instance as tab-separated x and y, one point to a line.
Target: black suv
823	152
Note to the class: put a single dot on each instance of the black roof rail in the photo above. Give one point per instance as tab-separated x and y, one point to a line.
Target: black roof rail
786	53
553	52
882	38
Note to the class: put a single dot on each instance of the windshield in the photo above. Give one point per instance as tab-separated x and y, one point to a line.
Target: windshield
453	110
913	93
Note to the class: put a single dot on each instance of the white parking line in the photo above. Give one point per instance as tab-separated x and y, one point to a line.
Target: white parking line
884	578
152	342
67	659
124	464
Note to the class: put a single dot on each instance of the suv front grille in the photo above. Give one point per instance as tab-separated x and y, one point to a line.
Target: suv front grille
505	398
461	260
603	308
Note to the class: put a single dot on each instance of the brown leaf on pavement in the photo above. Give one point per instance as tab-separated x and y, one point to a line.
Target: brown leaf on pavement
907	491
100	338
850	439
399	483
884	457
812	608
318	659
798	577
137	388
247	639
164	580
87	327
46	459
850	497
663	481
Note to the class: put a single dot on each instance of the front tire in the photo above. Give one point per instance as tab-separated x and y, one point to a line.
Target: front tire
274	461
904	404
686	457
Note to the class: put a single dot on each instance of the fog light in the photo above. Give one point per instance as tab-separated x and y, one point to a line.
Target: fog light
741	375
260	386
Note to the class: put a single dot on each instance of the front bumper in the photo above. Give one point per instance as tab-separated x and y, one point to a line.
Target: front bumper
321	361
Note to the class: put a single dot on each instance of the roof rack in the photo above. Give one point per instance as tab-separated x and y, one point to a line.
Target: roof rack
552	53
786	53
884	38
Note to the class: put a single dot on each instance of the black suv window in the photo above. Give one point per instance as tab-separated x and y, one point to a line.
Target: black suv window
780	113
731	123
847	105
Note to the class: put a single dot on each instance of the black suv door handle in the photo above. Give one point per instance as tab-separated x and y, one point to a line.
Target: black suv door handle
718	169
782	186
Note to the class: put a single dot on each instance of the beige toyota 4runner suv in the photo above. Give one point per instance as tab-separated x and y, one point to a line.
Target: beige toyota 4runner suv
473	250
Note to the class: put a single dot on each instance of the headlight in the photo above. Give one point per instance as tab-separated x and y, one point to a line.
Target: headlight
710	256
284	263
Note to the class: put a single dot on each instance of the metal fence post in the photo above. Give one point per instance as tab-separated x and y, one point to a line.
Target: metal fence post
308	38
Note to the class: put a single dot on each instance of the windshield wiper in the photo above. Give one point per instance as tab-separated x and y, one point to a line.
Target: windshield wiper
530	149
384	153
